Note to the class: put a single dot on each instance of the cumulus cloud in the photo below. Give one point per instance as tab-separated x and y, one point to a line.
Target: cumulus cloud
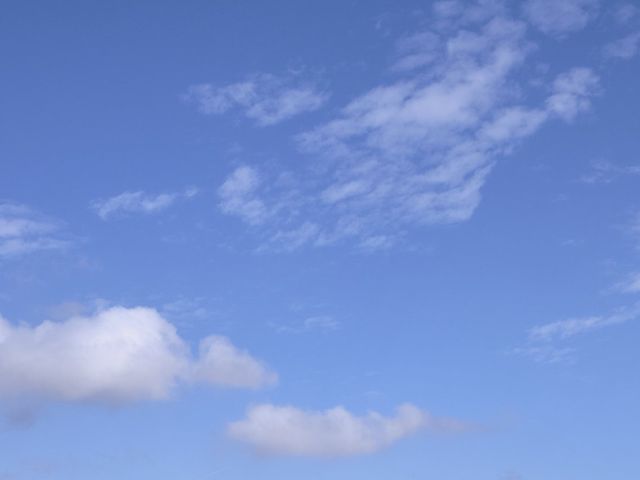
415	151
221	363
128	203
286	430
116	356
560	17
23	230
264	98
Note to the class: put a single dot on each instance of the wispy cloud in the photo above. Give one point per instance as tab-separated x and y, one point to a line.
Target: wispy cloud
572	92
564	329
316	323
115	356
139	202
416	151
23	231
606	172
631	284
263	98
561	17
547	342
239	196
625	12
624	48
549	354
286	430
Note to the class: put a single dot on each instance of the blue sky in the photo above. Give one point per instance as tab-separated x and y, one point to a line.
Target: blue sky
346	240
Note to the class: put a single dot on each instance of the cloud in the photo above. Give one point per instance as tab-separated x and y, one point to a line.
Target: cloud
116	356
321	322
625	12
560	17
416	51
631	284
221	363
564	329
572	92
607	172
316	323
623	48
24	231
264	98
128	203
415	151
286	430
548	354
238	196
547	343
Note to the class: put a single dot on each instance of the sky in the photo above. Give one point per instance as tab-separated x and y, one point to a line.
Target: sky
322	240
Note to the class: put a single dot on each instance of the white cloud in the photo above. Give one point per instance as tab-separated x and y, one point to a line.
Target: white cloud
572	92
624	48
128	203
416	151
238	196
264	98
560	17
221	363
286	430
116	356
23	231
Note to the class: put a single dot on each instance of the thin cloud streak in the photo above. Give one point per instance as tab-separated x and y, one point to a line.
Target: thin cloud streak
23	231
139	202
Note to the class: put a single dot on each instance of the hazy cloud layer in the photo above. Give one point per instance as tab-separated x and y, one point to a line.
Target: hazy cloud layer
116	356
286	430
